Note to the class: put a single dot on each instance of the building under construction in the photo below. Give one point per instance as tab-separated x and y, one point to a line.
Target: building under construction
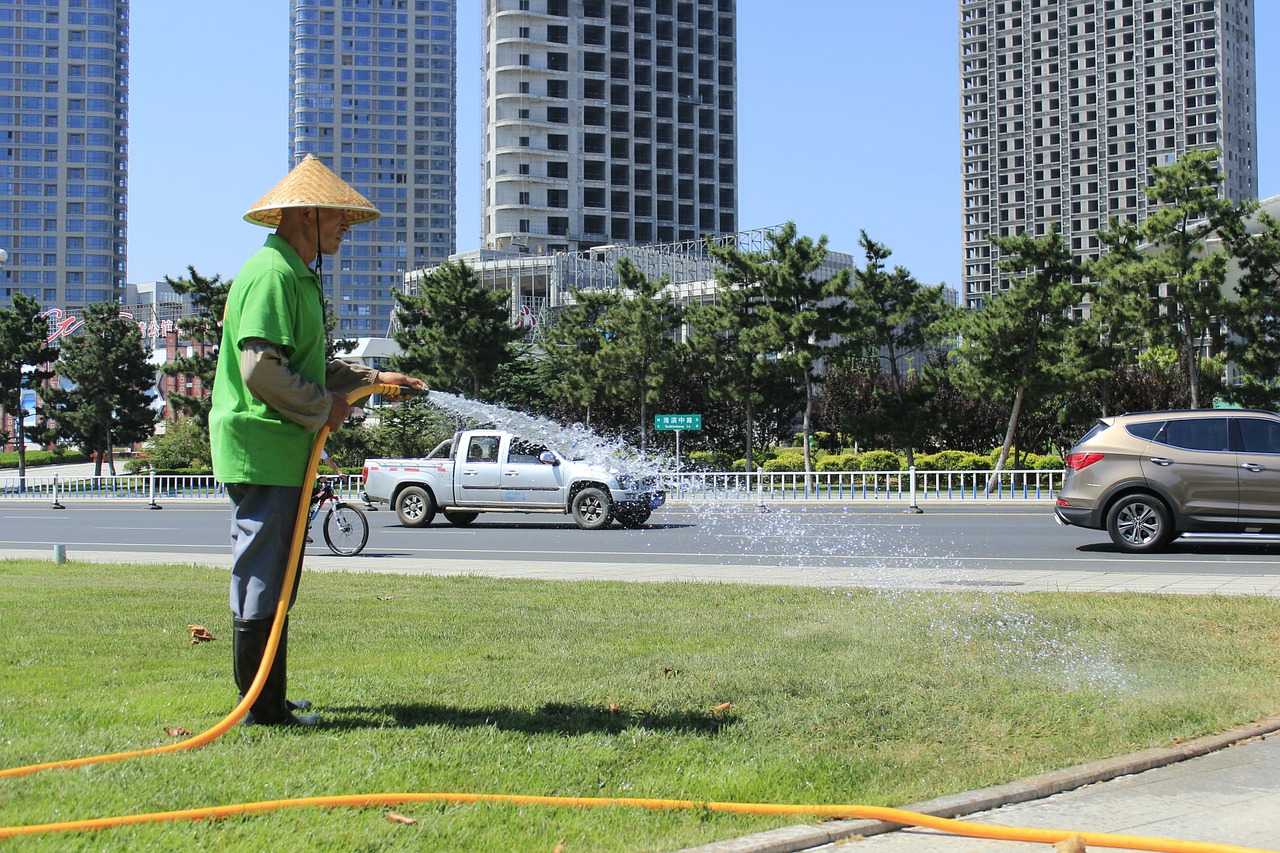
540	284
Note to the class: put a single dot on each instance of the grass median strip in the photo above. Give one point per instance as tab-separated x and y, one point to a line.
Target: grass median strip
597	689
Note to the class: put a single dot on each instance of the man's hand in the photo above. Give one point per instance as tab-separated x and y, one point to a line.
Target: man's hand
390	377
339	409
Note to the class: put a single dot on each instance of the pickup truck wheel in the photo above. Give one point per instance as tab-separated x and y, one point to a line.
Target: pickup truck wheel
460	519
633	518
592	509
415	506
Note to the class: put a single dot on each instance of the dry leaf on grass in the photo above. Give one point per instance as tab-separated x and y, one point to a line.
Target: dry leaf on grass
559	846
176	731
384	598
199	634
723	706
399	818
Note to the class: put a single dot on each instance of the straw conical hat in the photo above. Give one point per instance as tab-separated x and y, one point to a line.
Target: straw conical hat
311	184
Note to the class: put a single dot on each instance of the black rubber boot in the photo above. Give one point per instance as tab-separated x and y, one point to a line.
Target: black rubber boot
249	643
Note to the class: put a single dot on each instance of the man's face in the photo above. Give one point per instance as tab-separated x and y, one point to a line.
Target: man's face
333	227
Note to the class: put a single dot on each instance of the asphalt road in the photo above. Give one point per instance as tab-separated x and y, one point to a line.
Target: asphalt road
843	543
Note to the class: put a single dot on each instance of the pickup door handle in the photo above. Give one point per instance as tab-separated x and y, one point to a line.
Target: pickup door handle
470	473
511	473
1253	466
1162	460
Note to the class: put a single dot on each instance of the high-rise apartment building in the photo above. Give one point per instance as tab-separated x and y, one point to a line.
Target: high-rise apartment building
373	94
1066	105
608	122
64	129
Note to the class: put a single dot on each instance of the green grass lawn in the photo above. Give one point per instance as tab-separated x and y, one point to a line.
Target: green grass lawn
591	689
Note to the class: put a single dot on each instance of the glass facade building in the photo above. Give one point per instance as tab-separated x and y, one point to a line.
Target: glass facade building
373	94
608	122
1066	105
64	128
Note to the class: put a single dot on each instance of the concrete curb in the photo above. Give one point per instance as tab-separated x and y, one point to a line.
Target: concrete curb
789	839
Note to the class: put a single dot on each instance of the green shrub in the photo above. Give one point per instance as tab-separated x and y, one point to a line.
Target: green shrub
1043	463
946	460
184	447
788	459
839	462
757	461
712	460
881	460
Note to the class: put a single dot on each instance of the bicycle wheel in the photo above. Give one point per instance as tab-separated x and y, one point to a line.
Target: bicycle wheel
345	530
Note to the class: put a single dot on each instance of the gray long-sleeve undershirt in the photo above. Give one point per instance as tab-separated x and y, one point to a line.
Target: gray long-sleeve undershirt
266	373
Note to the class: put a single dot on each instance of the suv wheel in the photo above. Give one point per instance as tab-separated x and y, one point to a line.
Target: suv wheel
1139	523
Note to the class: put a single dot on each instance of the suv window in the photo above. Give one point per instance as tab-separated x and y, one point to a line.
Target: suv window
1145	430
1198	434
1260	435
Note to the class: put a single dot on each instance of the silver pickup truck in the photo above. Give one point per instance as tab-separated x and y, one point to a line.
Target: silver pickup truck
495	471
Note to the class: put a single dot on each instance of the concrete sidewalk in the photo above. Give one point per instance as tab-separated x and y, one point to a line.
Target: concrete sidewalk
1221	790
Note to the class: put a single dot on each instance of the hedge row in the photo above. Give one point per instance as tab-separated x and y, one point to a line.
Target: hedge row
792	459
36	458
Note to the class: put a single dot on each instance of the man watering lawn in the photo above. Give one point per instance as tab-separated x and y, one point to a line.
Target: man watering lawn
273	391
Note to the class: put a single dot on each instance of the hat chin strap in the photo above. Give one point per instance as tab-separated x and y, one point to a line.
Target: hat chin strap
319	252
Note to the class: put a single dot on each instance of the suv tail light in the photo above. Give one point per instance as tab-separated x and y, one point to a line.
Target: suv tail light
1080	461
364	475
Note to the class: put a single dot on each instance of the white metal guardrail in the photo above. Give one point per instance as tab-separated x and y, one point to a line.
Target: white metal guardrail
908	487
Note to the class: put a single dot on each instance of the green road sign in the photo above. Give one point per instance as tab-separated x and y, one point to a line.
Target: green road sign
677	422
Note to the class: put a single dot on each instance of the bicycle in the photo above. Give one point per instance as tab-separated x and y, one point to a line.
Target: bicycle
345	528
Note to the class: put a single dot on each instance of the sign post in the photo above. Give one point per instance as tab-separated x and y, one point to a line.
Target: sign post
677	423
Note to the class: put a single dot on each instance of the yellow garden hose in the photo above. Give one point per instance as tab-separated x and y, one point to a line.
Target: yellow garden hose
892	815
956	827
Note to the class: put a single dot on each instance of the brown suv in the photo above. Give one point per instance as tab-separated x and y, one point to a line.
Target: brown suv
1149	477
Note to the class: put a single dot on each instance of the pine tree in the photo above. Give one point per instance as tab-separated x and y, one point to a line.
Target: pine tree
639	350
454	333
1013	347
1160	282
896	318
24	335
572	345
730	337
1255	316
803	310
105	398
204	331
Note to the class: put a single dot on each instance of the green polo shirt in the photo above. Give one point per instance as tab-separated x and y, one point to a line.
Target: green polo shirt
274	297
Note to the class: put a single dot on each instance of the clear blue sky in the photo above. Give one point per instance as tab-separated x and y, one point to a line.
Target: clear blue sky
848	119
